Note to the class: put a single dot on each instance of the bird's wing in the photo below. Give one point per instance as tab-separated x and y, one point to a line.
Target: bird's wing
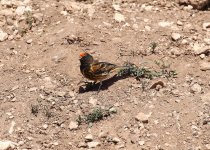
102	68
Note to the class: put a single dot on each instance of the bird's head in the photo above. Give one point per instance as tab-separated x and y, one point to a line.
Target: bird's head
86	58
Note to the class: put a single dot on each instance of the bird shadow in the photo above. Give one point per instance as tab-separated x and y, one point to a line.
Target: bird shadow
90	86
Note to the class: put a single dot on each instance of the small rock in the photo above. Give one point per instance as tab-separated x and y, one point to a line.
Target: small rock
119	17
208	146
206	25
196	88
29	41
7	145
200	49
89	138
116	140
11	129
205	66
102	135
3	35
207	41
38	16
58	58
179	23
116	7
175	36
202	56
45	126
93	144
148	8
142	117
165	24
189	7
61	93
113	110
64	13
135	26
176	51
185	42
141	143
148	28
73	125
82	145
206	97
22	9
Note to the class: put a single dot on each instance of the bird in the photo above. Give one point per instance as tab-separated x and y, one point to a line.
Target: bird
95	70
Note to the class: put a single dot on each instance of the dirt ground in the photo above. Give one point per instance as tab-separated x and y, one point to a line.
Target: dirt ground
41	97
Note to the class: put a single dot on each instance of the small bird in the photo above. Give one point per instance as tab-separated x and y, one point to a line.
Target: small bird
95	70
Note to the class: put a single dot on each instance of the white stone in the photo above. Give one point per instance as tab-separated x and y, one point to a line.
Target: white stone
196	88
208	146
206	25
206	97
20	10
93	144
45	126
141	143
205	66
142	117
119	17
7	145
89	137
73	125
175	36
3	35
165	23
200	48
116	7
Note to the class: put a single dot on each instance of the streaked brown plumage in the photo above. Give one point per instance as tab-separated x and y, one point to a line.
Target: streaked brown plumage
97	71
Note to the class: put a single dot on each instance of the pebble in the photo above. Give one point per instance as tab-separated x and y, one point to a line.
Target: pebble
207	40
82	145
93	144
89	138
103	135
119	17
116	140
142	117
45	126
7	145
202	56
165	24
206	97
73	125
179	23
116	7
200	49
208	146
175	36
29	41
113	110
196	88
204	66
3	35
206	25
141	143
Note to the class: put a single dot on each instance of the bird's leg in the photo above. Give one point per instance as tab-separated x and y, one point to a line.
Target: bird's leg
100	86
